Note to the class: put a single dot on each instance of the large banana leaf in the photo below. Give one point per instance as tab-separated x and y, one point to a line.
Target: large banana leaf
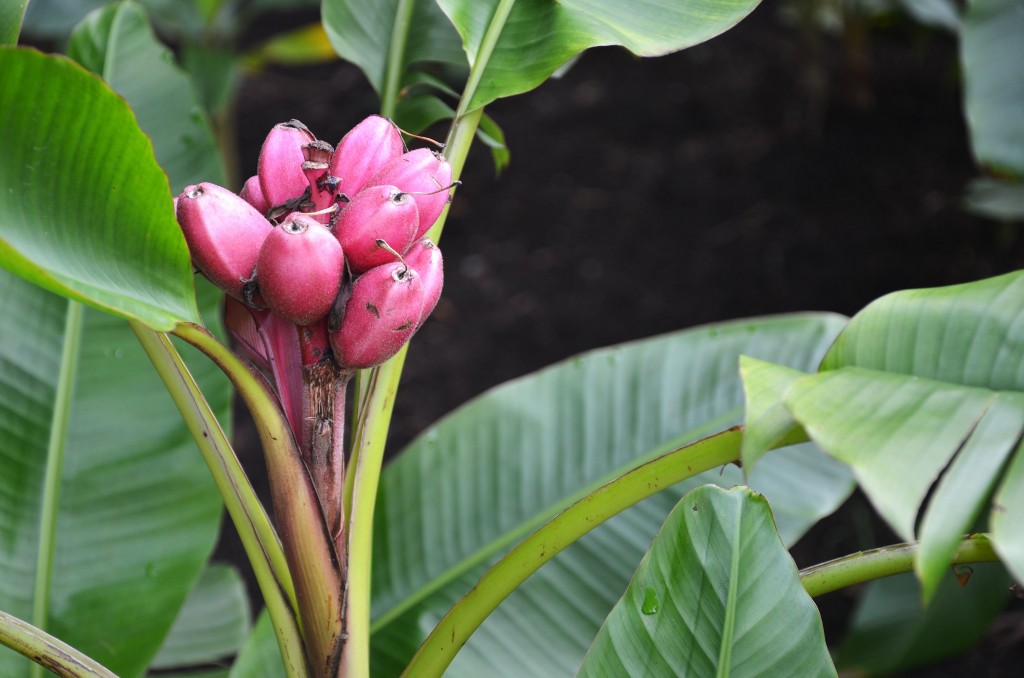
891	631
87	210
991	52
499	467
132	513
135	512
717	594
118	44
260	657
212	624
536	37
11	15
365	33
923	395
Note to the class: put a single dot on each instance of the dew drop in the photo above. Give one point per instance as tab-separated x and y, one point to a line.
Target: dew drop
650	605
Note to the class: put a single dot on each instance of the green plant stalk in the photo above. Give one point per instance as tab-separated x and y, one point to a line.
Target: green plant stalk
49	652
259	539
55	449
370	432
375	392
459	623
483	56
307	543
396	58
864	566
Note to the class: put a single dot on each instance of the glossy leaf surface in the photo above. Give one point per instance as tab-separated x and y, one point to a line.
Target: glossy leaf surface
923	395
136	513
716	594
118	44
88	210
213	623
892	632
260	656
362	31
991	51
539	36
497	468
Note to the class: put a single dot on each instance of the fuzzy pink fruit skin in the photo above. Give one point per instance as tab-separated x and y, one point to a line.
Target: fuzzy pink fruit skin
280	163
299	270
380	316
419	172
224	234
364	151
253	194
425	258
376	213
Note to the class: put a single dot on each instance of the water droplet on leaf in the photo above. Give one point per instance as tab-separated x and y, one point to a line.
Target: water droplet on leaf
650	605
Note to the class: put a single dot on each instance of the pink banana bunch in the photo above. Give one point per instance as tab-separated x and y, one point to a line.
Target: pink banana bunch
327	238
326	267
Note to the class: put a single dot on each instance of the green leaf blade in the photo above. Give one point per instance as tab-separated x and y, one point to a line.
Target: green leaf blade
213	623
539	36
12	14
118	44
717	594
361	32
991	51
499	467
91	213
924	387
137	513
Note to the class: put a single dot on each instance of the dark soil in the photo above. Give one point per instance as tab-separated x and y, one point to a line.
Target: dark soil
752	175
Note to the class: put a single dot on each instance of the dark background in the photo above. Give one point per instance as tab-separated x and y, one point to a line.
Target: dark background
769	170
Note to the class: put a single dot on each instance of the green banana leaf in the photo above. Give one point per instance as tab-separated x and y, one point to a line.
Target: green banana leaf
991	52
118	44
260	656
923	395
497	468
363	32
212	624
87	212
12	13
716	594
135	513
539	36
891	631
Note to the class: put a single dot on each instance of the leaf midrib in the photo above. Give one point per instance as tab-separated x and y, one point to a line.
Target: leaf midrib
55	449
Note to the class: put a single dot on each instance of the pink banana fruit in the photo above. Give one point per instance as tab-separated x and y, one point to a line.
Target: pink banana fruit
280	163
376	213
224	235
425	175
299	270
381	314
364	151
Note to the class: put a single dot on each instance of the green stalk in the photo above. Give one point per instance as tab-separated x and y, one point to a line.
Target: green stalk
257	534
459	623
483	57
376	388
864	566
57	656
370	432
396	58
55	449
308	546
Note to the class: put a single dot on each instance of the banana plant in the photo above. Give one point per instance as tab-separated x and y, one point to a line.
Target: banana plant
627	512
